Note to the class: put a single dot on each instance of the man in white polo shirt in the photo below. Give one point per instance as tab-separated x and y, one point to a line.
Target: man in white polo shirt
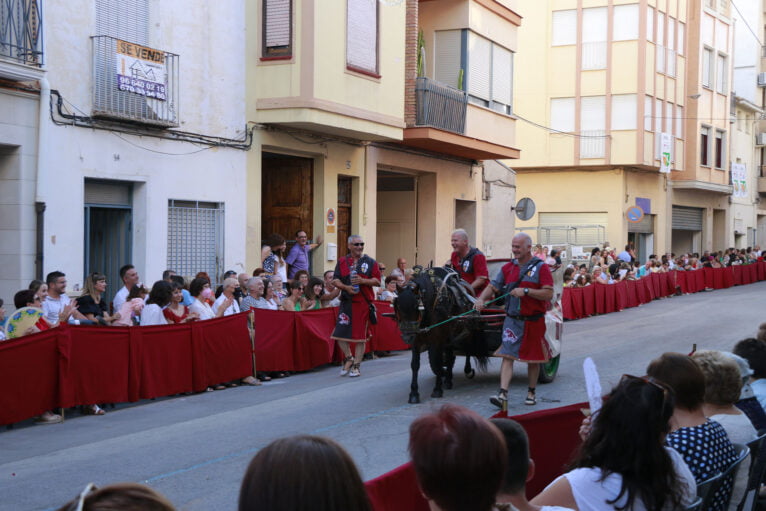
57	306
129	277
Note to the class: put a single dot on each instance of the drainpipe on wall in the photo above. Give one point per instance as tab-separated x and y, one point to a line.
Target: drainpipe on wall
43	127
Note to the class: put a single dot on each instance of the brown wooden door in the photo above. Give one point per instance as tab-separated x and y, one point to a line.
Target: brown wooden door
344	213
287	193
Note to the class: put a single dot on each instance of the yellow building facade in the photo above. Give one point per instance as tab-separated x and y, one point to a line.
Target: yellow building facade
346	141
611	87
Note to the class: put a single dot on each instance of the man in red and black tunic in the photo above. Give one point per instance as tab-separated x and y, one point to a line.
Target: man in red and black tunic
530	284
469	262
355	275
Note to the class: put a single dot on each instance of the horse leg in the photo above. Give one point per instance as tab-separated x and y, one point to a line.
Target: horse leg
468	370
449	363
436	359
415	366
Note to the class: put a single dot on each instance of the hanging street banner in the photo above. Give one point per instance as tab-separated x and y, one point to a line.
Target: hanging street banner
739	179
666	147
141	70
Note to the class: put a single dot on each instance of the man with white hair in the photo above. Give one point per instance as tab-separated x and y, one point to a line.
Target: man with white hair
529	284
355	275
468	261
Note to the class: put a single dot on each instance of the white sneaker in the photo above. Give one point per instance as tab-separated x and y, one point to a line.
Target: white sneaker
354	371
343	370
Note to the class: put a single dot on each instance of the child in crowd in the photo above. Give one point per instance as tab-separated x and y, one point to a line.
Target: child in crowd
130	311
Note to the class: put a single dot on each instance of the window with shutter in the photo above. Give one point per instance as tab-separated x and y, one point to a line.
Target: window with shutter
625	25
679	121
447	47
563	114
501	78
594	22
592	126
624	112
479	66
648	113
564	28
707	67
681	38
721	72
362	36
277	29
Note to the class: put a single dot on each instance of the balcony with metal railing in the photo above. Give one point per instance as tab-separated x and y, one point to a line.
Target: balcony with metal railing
445	122
134	83
21	39
440	106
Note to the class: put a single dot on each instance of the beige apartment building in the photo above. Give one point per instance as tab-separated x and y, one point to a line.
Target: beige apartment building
611	87
373	117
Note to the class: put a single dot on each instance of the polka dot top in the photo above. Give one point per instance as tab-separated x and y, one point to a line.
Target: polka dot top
707	451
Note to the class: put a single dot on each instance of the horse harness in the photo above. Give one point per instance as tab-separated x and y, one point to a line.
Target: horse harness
451	275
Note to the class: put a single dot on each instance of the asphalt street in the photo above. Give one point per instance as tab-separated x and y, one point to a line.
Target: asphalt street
195	449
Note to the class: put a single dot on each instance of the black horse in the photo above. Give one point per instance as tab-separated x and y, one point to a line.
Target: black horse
432	296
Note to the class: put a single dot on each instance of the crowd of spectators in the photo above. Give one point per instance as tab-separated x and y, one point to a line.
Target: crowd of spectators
606	266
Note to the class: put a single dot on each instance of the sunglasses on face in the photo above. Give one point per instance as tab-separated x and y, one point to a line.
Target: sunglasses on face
358	244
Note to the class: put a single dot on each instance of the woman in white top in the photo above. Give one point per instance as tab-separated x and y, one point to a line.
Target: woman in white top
269	296
201	291
622	463
273	256
723	384
159	298
226	302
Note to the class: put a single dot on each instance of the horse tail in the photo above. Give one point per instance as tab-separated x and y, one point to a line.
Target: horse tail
482	361
482	347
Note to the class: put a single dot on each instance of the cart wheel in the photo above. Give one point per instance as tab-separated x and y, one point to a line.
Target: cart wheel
549	369
470	374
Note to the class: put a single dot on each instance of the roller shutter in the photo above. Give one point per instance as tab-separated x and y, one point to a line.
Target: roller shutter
687	219
645	226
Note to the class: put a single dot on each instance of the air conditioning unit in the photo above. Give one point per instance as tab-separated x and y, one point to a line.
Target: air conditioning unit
761	79
760	139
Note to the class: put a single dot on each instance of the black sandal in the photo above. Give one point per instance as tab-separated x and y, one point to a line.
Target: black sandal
530	400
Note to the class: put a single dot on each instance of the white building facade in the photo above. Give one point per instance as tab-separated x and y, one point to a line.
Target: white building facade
142	151
748	139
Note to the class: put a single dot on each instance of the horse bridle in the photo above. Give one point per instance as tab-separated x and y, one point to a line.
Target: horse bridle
414	325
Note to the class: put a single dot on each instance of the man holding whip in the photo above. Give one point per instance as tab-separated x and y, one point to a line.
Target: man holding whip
529	284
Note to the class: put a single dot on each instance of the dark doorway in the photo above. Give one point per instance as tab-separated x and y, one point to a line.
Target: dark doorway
288	195
108	231
344	212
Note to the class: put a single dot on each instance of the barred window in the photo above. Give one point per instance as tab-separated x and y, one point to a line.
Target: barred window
195	238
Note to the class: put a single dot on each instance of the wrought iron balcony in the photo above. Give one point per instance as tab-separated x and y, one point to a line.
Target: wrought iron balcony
134	83
21	32
440	106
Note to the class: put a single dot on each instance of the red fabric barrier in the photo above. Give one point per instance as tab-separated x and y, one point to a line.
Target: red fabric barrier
599	297
396	490
553	440
221	351
312	344
29	373
274	334
386	335
610	298
605	298
588	300
96	368
164	360
632	288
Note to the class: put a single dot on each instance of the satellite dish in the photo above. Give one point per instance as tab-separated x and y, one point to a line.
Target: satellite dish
525	209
